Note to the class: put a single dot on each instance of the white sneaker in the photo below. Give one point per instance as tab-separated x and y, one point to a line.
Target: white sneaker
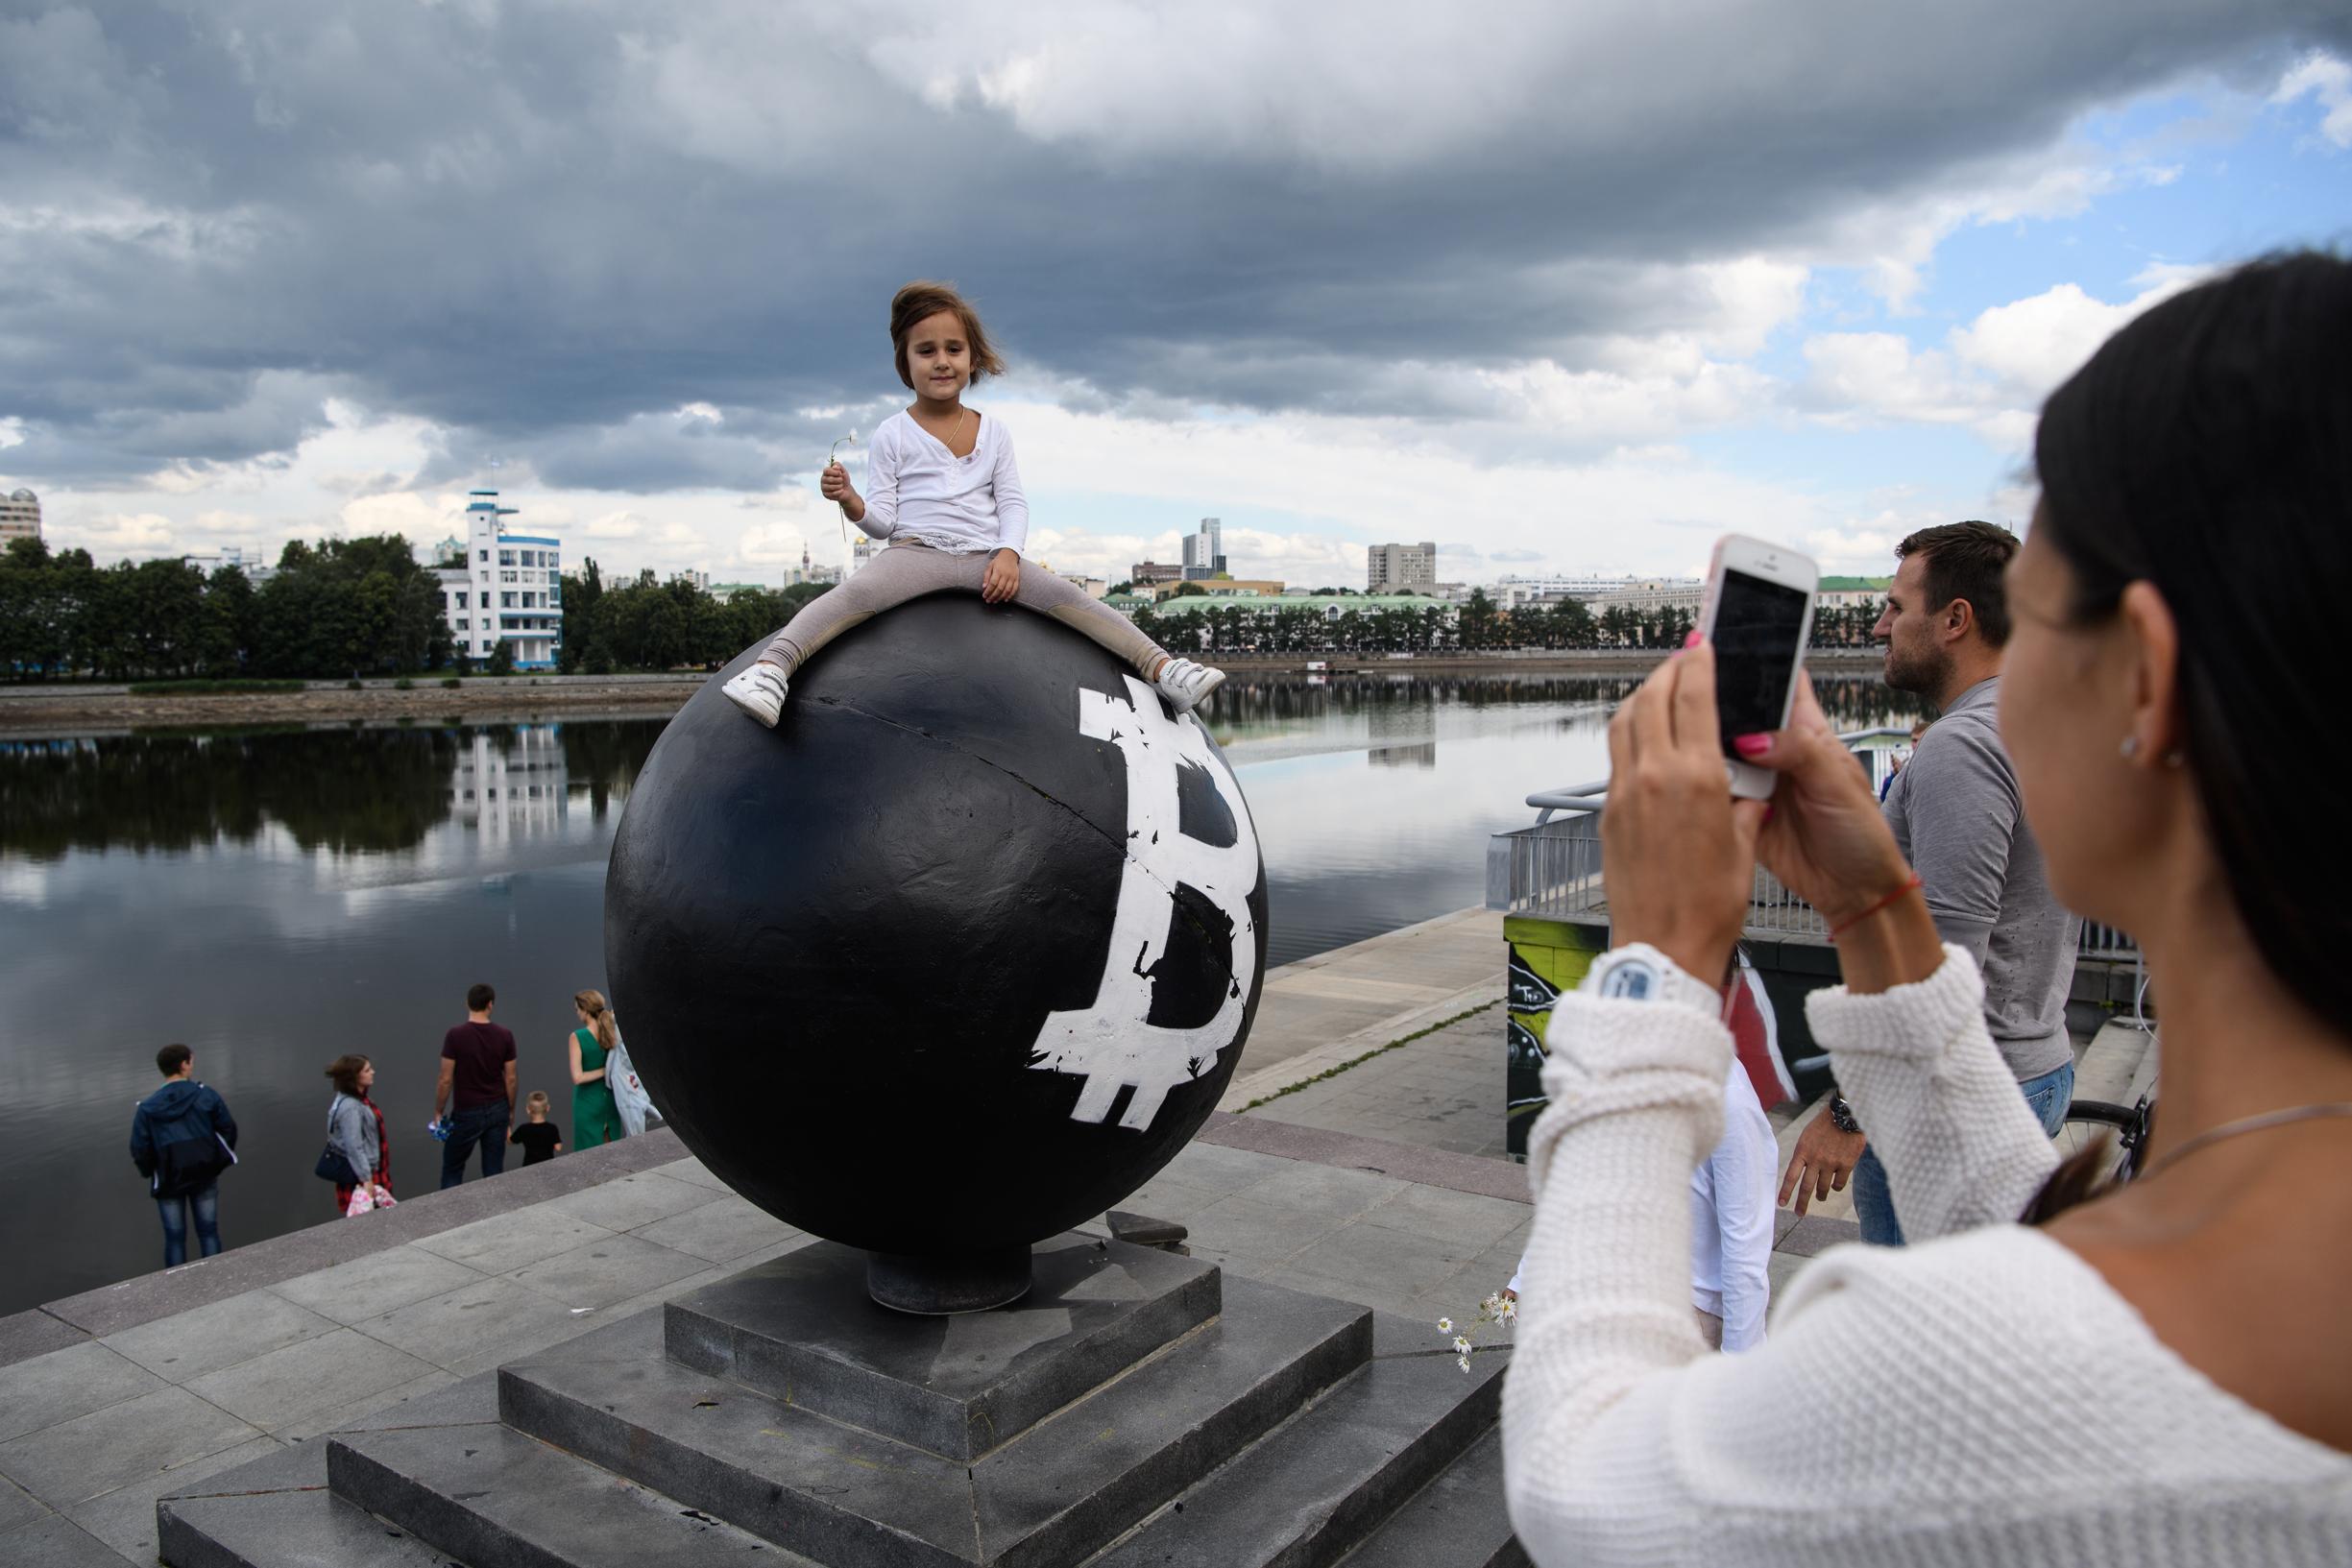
1184	683
759	691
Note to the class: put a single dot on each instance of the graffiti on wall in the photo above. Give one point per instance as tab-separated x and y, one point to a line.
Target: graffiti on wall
1546	959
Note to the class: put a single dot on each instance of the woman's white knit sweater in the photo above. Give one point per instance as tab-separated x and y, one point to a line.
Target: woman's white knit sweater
1980	1397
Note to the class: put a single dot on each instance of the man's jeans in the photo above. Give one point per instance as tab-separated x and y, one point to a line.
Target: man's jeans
205	1206
485	1124
2049	1095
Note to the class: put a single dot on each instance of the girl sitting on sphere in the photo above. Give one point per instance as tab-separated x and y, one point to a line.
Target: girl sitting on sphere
947	496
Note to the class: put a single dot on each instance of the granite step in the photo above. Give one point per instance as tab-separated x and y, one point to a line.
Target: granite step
802	1328
306	1529
487	1494
854	1499
1458	1519
1319	1484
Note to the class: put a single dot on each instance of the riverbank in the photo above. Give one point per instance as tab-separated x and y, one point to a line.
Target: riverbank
34	709
63	707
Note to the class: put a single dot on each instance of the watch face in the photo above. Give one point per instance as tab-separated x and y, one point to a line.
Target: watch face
1631	981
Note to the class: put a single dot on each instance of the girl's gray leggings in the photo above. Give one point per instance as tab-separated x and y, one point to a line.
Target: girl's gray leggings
909	571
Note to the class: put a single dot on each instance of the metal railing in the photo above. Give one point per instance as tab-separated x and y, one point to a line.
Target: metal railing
1553	868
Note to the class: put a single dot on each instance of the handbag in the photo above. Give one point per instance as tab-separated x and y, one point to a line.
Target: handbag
332	1166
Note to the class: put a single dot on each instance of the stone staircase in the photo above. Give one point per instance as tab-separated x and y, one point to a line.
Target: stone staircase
1137	1408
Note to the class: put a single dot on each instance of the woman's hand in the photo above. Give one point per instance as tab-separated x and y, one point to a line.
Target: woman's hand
1679	852
1003	578
1826	837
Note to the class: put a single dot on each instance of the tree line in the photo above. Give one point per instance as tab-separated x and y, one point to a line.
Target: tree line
364	607
352	607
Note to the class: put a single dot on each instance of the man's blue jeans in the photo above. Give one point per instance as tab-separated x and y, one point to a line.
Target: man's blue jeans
484	1124
205	1206
2050	1094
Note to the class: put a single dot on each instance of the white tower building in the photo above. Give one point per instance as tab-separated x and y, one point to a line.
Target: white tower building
510	590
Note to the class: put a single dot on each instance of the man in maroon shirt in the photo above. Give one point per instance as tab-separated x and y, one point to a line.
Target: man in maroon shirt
477	1087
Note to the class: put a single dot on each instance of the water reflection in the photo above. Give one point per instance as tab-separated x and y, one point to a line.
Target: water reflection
275	897
353	789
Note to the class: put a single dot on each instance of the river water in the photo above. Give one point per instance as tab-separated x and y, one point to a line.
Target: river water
274	898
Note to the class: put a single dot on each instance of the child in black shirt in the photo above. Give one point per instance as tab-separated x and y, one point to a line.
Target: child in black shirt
540	1139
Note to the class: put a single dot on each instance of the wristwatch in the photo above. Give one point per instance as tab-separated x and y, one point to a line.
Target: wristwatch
1639	972
1841	1115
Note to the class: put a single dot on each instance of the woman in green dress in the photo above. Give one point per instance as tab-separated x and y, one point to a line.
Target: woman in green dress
595	1117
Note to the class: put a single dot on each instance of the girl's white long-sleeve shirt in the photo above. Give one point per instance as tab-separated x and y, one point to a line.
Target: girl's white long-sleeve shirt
916	489
1979	1397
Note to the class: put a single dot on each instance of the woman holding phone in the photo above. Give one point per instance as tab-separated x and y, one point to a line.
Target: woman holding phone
2158	1374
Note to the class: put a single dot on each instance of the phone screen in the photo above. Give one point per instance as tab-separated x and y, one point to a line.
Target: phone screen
1757	626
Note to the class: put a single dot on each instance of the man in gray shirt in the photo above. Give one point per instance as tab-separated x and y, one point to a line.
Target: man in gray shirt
1955	813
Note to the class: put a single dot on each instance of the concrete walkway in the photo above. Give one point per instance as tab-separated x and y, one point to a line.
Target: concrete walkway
1379	1183
1328	1010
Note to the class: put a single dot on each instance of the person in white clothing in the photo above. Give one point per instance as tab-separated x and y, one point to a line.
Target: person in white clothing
944	490
2154	1374
1730	1217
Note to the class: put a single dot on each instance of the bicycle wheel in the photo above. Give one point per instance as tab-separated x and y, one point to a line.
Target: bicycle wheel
2120	1128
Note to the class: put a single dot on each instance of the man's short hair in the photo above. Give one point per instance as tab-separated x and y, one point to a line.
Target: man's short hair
479	997
172	1059
1965	561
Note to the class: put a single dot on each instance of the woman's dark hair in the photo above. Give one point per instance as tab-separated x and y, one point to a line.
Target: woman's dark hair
346	1070
2206	448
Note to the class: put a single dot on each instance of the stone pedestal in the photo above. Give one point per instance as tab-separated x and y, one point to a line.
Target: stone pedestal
1136	1406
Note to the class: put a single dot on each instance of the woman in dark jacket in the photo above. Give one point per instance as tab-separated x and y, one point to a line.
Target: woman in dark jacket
181	1139
355	1128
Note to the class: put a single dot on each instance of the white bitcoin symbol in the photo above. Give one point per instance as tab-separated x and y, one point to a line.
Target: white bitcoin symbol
1111	1043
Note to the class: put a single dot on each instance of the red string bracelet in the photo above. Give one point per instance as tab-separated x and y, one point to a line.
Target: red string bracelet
1848	924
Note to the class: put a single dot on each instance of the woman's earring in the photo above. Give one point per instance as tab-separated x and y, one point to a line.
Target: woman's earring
2131	747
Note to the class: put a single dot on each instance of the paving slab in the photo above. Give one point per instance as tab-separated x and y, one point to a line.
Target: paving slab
185	1347
18	1506
1248	1223
474	1327
91	1455
1324	1190
1468	1217
716	1231
384	1401
56	1542
26	1334
1215	1169
604	1273
632	1200
510	1240
371	1285
694	1171
312	1378
64	1384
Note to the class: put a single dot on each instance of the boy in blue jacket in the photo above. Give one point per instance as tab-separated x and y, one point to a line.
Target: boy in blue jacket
181	1139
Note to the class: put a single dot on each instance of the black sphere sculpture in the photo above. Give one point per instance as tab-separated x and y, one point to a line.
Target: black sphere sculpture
951	959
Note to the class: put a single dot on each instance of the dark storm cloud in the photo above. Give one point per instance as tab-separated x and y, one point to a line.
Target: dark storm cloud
547	227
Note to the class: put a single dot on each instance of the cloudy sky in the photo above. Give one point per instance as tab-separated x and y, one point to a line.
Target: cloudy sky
1560	287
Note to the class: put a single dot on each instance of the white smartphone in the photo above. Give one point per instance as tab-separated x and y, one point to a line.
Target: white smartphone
1759	613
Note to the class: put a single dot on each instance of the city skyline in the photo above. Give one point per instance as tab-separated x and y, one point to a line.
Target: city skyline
1569	294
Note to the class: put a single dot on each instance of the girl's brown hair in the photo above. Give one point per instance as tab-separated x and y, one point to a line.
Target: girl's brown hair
599	1017
922	299
346	1070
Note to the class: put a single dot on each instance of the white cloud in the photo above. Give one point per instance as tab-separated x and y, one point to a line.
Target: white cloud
1993	373
11	432
2329	80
